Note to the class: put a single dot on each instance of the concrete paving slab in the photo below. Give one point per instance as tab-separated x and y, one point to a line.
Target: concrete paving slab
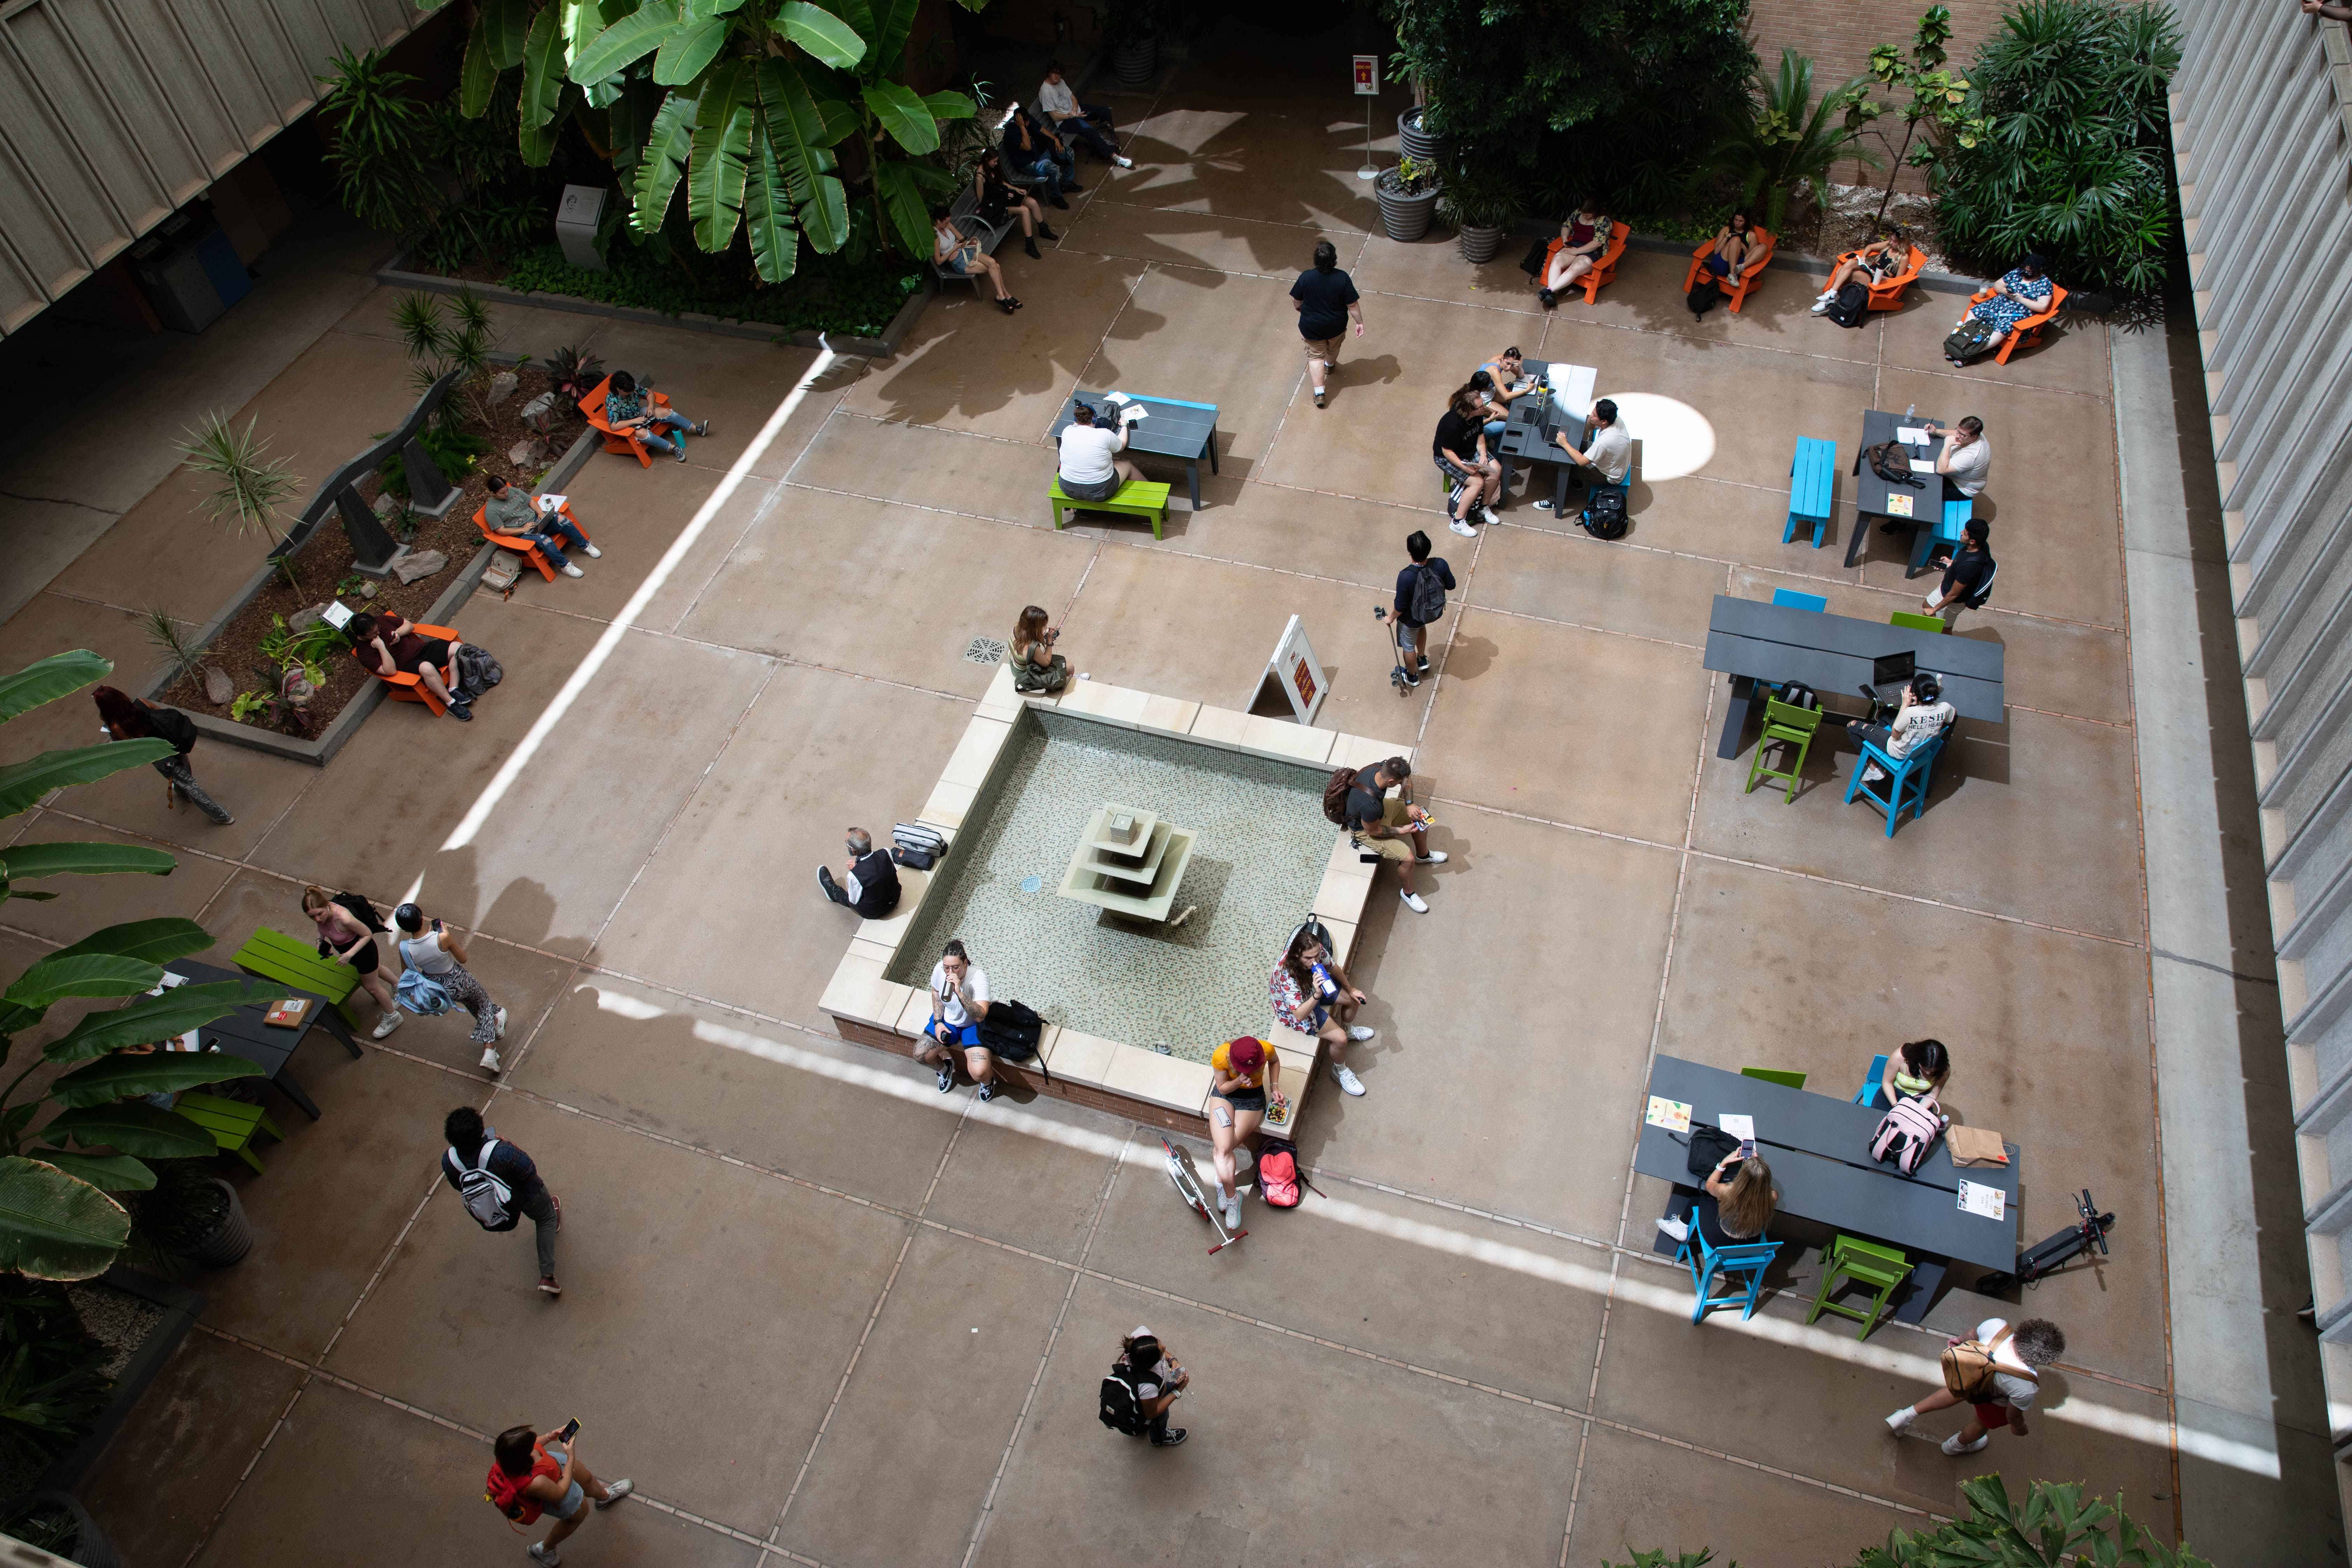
967	366
909	590
1194	241
1293	529
84	904
324	1478
1723	521
1426	270
51	623
254	786
924	465
2074	355
736	384
1264	1407
1649	699
635	515
908	1458
1284	160
652	1234
1012	1185
1178	337
1577	578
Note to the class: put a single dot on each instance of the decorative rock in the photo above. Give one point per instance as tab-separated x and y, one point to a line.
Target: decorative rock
367	590
304	619
538	408
503	385
218	688
386	504
526	452
418	565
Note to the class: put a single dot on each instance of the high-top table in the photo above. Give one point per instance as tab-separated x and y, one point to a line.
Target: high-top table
1819	1150
1536	416
1169	428
1757	643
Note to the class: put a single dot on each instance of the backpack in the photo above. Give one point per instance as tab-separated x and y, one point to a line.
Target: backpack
486	1197
506	1493
1532	264
1852	303
1796	694
1335	795
1704	297
174	726
1968	339
920	838
1604	514
1906	1133
477	673
1012	1030
421	993
1968	1367
1891	461
1428	601
360	910
1121	1410
1277	1172
1976	600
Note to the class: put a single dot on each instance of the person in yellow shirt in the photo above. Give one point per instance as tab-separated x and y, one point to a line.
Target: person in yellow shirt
1242	1072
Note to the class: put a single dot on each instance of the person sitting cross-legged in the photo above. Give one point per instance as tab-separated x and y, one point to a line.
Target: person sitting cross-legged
629	408
510	509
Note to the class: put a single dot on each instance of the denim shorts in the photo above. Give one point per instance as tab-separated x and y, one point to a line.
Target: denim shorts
958	262
570	1505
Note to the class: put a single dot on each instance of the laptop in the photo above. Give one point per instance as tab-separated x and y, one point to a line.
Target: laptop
1889	674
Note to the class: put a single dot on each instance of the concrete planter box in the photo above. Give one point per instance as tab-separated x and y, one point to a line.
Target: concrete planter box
180	1307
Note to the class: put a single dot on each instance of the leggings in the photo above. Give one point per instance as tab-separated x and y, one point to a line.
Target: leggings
468	993
185	784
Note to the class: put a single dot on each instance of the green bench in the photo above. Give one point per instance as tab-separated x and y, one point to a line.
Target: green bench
232	1123
274	955
1136	496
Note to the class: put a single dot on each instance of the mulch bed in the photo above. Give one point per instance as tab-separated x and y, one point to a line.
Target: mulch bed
324	565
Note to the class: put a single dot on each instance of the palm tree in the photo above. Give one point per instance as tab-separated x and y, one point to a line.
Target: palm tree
1790	139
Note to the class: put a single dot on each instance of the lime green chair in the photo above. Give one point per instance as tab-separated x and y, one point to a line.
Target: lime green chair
232	1123
1775	1075
1790	727
1917	622
1867	1264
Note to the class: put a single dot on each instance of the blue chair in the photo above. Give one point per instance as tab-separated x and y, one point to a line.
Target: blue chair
1905	783
1813	476
1789	599
1868	1092
1706	1260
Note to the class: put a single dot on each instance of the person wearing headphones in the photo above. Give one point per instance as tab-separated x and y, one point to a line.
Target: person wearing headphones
1921	717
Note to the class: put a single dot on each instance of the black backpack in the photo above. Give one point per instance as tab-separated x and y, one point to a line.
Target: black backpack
174	726
1705	296
1428	601
1012	1030
1852	303
1604	514
1122	1411
1968	339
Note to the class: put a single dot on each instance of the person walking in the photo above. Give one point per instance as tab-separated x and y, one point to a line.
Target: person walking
1421	590
501	1185
437	954
540	1473
344	936
1154	1380
122	717
1968	576
1999	1372
1327	305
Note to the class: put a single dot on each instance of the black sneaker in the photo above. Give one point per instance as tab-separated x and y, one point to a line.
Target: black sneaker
1175	1436
987	1093
1072	190
461	712
1411	678
947	1078
1548	296
1059	202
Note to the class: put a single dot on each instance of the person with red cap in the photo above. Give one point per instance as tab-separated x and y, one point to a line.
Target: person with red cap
1241	1073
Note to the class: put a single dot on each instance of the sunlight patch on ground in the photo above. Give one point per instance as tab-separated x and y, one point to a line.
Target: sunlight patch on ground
1676	439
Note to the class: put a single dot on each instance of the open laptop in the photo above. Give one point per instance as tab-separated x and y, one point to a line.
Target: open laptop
1889	674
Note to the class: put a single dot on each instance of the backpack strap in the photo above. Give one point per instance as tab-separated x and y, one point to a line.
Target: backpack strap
2030	1376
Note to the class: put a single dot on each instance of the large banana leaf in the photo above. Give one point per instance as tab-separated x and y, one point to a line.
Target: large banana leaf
153	1019
902	114
611	11
53	1226
81	974
23	784
542	69
158	941
109	1172
538	144
479	78
45	680
687	52
158	1072
828	37
857	13
134	1127
768	210
24	861
507	23
949	105
722	140
626	41
667	147
894	21
797	134
901	185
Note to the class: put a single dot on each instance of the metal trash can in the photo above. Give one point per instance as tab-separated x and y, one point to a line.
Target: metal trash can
576	218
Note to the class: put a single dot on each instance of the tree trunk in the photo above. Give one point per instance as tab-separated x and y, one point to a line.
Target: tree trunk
1910	130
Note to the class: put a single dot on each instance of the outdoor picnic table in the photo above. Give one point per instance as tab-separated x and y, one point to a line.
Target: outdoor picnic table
1819	1149
1559	406
1871	491
243	1033
1757	642
1169	428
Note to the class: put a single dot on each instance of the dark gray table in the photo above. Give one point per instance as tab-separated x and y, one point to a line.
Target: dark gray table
1536	417
1754	641
1819	1149
243	1033
1170	429
1870	491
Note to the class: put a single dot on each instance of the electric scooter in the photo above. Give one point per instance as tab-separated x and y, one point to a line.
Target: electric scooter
1188	1187
2047	1256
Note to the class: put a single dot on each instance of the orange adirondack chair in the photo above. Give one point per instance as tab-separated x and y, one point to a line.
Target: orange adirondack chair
2029	331
592	406
407	688
1888	296
1605	269
1735	289
538	557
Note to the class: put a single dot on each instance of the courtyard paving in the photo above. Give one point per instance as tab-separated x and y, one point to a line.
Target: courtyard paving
823	1315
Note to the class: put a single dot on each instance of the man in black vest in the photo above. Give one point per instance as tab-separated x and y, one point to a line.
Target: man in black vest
869	883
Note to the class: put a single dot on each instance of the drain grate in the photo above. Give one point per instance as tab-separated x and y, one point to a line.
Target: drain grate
985	650
1032	884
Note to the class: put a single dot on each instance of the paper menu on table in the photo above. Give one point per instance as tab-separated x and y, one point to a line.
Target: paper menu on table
1898	506
1922	466
1977	1198
1116	397
1911	438
1741	1127
1673	1115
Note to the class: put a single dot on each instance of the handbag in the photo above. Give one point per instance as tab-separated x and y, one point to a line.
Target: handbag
1891	461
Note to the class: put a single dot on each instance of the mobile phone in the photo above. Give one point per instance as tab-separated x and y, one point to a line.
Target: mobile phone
436	925
1747	1148
571	1430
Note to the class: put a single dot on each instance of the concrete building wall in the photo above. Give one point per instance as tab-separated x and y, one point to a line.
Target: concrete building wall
114	113
2263	130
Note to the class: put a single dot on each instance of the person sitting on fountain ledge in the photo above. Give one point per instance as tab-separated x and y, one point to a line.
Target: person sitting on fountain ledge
869	883
959	1002
1396	830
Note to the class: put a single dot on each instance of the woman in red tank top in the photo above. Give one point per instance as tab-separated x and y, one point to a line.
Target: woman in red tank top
541	1473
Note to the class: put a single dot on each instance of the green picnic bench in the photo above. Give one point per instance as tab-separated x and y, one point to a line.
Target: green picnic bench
232	1123
274	955
1812	474
1136	496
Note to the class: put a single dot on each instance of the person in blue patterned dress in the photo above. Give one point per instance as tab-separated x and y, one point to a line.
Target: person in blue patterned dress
2023	291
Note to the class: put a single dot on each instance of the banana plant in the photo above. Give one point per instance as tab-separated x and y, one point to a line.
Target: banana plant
57	1221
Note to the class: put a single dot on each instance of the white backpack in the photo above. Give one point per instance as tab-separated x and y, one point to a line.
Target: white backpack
486	1197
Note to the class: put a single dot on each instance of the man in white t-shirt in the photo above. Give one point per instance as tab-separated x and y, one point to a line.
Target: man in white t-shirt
1966	459
959	1002
1608	453
1091	469
1923	716
2005	1391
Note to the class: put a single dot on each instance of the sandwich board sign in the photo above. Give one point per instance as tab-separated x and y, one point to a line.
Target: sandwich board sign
1294	668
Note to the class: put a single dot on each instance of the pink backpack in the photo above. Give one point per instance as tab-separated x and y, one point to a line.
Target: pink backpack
1906	1133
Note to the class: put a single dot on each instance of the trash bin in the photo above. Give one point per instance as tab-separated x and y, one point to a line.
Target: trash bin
576	218
189	270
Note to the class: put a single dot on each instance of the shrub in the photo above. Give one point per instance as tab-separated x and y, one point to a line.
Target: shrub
827	294
2071	163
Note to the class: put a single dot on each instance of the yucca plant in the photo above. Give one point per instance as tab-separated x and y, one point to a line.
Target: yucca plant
249	490
181	653
1788	139
377	125
436	346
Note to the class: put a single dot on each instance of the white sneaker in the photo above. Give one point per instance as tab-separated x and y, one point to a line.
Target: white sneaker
1413	901
1124	162
1955	1448
545	1556
1464	529
1678	1228
1543	505
490	1058
1901	1419
1358	1032
1486	514
1822	305
616	1491
1347	1079
502	1023
1434	858
596	555
387	1024
1232	1210
571	571
1873	774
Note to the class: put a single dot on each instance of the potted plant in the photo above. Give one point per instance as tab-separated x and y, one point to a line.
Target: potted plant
1408	198
1132	31
189	1215
1480	205
1418	138
56	1523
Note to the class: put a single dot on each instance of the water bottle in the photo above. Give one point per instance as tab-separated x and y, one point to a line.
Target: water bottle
1909	409
1324	982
